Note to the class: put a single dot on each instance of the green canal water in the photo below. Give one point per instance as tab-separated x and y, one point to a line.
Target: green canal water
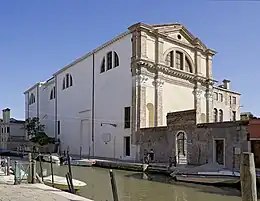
134	186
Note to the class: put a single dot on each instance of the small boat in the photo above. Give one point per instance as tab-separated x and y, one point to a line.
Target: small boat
212	174
81	162
48	158
213	178
61	183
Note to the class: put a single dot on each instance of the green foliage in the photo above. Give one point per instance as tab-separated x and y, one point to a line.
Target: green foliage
36	130
33	126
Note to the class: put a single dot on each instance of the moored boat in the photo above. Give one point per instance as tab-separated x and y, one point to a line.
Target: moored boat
81	162
212	174
61	183
213	179
48	158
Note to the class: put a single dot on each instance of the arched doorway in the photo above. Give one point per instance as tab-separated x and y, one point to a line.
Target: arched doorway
181	147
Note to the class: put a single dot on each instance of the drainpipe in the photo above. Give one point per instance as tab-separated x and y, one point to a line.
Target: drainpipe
56	109
93	105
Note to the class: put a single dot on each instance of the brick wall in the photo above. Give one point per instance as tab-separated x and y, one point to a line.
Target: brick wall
199	140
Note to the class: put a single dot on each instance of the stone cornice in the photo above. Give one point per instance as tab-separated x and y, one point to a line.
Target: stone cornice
196	43
152	67
33	87
226	90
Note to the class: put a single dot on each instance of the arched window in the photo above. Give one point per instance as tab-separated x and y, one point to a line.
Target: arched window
103	67
31	99
53	93
67	81
150	108
188	67
220	115
111	60
181	143
116	60
215	115
176	59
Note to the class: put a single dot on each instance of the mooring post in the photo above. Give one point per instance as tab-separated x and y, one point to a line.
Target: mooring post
248	177
80	152
52	176
15	173
29	179
113	185
33	171
68	182
70	172
40	159
8	166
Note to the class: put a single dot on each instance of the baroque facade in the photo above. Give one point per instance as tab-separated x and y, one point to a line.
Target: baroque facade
168	69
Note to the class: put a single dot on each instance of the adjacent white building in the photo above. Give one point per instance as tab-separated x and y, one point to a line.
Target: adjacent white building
97	103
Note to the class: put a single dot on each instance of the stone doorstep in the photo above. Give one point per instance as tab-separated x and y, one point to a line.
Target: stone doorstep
69	196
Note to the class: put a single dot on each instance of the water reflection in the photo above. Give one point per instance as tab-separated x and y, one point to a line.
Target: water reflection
141	187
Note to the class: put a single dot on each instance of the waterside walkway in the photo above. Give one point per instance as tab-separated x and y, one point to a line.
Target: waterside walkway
35	192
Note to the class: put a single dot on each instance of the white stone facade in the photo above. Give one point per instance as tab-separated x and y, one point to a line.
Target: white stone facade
133	81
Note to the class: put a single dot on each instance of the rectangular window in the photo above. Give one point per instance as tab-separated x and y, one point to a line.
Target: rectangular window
127	117
8	129
179	60
234	115
215	96
127	144
221	97
58	127
109	60
230	100
2	130
234	100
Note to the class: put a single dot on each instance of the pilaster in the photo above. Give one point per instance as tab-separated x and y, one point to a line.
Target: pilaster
158	102
143	39
209	66
143	80
160	49
197	60
209	104
197	101
134	44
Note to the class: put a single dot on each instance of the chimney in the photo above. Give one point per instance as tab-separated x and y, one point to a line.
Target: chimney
226	84
6	115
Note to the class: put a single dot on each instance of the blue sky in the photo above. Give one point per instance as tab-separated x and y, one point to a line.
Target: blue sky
39	37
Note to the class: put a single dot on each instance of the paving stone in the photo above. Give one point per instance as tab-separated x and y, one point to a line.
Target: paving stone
35	192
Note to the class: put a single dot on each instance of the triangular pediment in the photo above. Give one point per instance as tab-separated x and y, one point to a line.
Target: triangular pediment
179	32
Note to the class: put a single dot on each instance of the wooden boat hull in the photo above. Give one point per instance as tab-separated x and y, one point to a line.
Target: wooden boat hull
208	179
83	162
61	183
61	186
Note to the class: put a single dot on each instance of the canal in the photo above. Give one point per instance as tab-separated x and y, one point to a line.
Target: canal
134	186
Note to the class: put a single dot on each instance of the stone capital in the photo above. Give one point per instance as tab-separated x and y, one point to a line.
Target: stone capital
158	83
141	79
197	92
209	94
